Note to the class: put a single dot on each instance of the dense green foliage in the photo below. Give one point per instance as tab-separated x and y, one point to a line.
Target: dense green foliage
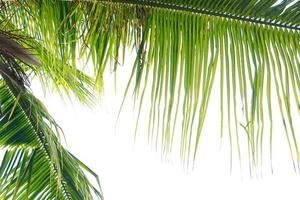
253	45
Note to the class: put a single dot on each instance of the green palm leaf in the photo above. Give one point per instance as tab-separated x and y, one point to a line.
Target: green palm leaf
253	45
35	165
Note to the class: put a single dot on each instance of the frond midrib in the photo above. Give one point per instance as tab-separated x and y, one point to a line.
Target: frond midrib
184	8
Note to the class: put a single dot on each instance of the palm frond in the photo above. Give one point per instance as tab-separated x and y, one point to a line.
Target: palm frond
183	53
35	165
55	73
180	47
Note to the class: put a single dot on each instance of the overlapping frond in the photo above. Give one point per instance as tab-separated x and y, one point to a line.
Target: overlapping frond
35	165
180	47
48	64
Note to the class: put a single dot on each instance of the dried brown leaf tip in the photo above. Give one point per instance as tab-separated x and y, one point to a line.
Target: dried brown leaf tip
16	50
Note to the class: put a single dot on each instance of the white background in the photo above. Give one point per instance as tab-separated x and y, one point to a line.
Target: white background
131	170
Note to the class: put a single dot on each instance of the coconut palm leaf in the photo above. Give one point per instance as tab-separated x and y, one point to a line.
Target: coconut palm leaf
253	46
35	165
55	74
